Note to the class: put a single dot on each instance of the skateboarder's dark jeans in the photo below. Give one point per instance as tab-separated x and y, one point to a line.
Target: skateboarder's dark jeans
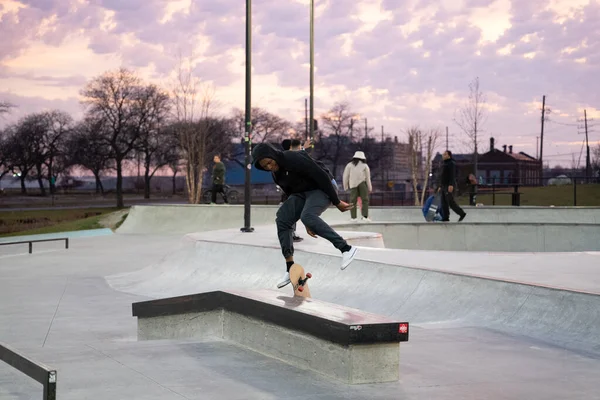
306	207
449	202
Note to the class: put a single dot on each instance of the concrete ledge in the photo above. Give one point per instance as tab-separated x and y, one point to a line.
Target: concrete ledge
480	236
279	326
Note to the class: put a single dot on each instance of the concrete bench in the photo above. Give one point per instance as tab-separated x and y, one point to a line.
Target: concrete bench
343	343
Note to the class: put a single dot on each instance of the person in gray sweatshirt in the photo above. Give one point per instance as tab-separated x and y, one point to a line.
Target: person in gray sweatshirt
357	179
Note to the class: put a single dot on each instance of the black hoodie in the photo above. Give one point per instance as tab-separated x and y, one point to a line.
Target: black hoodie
297	173
449	173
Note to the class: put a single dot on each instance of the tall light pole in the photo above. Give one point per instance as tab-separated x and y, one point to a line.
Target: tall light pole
312	70
248	118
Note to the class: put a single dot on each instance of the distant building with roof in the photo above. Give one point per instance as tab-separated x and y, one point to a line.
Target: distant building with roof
500	167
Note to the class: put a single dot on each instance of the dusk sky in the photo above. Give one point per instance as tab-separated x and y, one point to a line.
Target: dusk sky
397	62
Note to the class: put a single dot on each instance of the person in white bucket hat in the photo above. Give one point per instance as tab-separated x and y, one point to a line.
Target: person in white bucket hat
357	179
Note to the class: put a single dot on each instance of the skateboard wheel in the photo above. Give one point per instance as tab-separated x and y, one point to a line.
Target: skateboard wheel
300	288
308	275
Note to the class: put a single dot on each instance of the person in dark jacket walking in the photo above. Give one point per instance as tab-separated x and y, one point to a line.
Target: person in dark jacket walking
310	192
218	180
448	184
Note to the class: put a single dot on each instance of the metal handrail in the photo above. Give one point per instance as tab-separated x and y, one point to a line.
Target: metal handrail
35	370
32	241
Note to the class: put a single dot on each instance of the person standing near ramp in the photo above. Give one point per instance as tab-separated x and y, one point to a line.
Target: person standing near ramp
357	178
218	180
448	183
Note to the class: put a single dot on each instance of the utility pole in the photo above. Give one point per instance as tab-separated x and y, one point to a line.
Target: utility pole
248	118
305	119
588	160
476	156
381	160
537	146
541	159
312	69
447	138
588	165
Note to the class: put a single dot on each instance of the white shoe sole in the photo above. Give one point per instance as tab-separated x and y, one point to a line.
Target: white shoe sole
282	284
353	254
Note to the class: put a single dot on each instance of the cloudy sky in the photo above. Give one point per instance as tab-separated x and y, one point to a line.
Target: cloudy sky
397	62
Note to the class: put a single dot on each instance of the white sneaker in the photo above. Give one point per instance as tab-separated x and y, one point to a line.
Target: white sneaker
353	220
366	219
348	257
284	281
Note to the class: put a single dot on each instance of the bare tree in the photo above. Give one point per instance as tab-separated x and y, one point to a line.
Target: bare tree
155	144
119	98
421	144
87	147
59	125
5	107
596	158
192	106
337	126
220	137
175	166
4	165
33	128
415	144
266	126
21	151
471	118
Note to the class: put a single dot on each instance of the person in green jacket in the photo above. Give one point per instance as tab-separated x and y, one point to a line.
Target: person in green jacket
218	180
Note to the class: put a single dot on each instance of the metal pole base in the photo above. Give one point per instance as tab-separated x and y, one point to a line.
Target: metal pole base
247	230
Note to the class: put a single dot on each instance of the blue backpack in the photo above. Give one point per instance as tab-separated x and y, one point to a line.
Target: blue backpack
427	204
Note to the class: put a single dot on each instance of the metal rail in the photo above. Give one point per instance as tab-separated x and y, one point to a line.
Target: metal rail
32	241
35	370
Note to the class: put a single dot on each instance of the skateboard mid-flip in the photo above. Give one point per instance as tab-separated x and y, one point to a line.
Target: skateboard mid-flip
299	281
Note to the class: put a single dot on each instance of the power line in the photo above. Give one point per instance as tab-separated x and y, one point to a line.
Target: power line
563	154
560	123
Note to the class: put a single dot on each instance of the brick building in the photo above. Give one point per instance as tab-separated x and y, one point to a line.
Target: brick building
496	166
507	167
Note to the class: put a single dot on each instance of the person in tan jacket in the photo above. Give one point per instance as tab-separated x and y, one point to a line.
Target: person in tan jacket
357	179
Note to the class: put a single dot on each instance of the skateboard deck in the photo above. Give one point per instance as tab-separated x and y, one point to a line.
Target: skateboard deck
433	208
299	280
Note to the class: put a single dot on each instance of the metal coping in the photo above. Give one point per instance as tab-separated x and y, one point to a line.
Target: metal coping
357	327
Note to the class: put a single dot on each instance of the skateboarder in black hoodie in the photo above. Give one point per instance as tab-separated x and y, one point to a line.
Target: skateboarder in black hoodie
310	192
448	183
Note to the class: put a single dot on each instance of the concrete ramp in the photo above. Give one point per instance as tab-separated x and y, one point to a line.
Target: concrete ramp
182	219
425	297
502	237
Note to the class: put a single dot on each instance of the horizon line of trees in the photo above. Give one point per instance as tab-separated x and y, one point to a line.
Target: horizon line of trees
127	120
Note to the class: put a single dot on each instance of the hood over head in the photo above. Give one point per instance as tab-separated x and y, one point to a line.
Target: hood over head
266	150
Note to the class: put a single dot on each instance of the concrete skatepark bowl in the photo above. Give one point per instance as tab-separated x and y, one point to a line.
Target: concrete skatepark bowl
506	320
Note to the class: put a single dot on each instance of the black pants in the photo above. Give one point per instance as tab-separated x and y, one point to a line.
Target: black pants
307	207
217	188
449	202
